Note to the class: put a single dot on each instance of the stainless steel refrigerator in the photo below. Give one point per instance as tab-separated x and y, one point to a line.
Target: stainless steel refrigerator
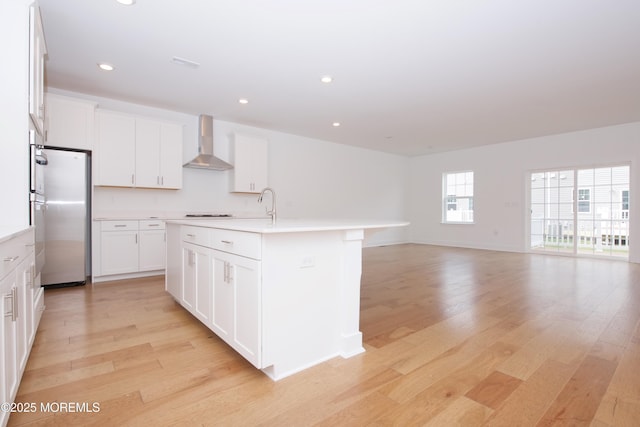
67	215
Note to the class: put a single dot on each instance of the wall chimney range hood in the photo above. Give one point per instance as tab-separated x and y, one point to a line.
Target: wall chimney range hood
205	158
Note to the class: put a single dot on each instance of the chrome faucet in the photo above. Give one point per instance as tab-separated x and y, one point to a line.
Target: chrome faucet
271	212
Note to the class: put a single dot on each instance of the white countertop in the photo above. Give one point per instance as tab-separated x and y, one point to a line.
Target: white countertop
8	233
287	225
166	216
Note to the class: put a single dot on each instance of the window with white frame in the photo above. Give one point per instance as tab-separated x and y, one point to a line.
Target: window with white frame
584	200
625	204
457	198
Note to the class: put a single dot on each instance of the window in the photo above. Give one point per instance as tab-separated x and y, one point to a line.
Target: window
451	203
457	198
584	200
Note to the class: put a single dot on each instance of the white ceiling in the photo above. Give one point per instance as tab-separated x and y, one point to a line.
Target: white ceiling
410	76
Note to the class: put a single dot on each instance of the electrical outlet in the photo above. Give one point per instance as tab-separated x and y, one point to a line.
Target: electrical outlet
307	262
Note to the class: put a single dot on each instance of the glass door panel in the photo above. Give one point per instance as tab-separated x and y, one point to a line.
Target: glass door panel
551	211
581	211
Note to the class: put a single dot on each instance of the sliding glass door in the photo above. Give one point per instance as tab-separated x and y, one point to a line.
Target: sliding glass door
581	211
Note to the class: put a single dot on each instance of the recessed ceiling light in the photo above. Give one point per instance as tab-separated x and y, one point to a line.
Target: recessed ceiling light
243	101
336	124
126	2
106	67
326	79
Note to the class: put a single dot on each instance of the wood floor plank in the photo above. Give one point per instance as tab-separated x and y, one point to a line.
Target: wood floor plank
452	337
529	402
435	398
578	401
620	405
494	389
408	386
463	412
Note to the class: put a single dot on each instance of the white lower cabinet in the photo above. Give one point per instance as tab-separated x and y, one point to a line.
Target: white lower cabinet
152	241
221	289
196	281
237	304
9	355
119	252
24	307
173	274
132	248
21	311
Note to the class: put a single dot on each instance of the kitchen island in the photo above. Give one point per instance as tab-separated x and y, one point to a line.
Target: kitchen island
286	296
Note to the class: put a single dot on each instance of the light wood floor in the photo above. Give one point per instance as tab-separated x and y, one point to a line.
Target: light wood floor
453	337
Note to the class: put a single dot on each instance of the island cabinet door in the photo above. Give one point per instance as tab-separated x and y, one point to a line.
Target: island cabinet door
189	271
245	274
203	285
222	316
196	281
237	304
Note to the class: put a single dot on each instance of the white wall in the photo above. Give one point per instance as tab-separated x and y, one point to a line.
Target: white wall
312	179
500	174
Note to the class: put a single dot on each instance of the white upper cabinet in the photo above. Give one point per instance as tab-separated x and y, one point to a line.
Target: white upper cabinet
137	152
69	122
37	52
249	156
147	153
171	155
158	154
115	149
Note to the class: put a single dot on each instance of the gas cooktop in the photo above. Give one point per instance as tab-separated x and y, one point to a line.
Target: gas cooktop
208	215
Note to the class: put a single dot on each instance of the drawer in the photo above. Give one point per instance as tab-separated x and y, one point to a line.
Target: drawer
118	225
196	235
238	242
151	224
15	250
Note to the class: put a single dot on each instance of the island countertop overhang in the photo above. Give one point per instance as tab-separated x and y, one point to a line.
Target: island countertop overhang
286	225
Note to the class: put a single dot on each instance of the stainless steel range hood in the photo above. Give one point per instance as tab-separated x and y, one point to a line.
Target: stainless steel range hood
205	158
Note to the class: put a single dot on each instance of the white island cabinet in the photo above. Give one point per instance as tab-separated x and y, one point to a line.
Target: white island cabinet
284	296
